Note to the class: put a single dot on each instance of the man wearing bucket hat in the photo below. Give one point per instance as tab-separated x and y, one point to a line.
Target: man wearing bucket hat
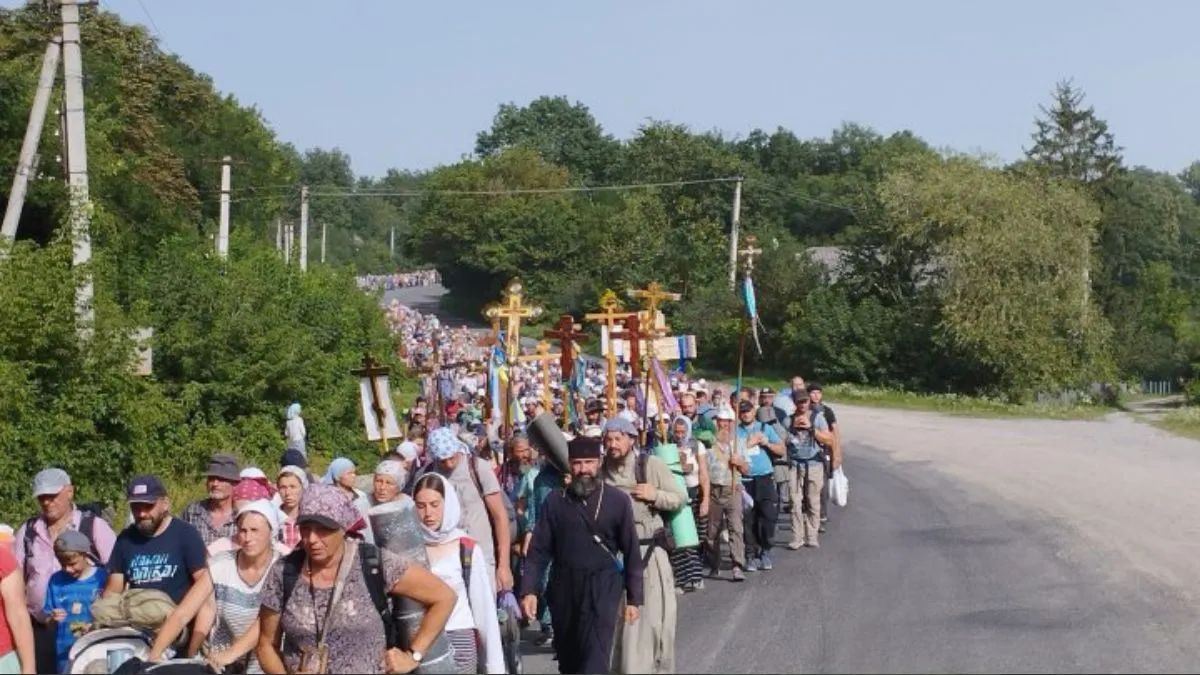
213	517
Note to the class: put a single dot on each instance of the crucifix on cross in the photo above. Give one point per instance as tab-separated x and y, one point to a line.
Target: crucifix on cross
512	311
568	333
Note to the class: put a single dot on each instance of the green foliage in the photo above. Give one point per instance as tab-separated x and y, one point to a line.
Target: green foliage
234	342
1071	141
560	132
1014	251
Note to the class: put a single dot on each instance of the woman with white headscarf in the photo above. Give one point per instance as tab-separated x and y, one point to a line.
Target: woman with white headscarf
294	431
233	584
455	559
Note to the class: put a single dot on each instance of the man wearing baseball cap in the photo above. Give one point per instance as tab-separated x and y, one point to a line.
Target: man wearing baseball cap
157	552
213	517
33	548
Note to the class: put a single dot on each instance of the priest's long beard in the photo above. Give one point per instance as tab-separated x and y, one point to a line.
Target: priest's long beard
582	487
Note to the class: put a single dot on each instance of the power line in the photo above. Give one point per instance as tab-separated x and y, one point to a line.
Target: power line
381	192
330	191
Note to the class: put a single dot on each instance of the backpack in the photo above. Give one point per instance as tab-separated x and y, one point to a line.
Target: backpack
372	571
88	513
508	505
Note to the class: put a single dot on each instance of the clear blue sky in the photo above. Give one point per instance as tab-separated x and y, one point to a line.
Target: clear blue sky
408	84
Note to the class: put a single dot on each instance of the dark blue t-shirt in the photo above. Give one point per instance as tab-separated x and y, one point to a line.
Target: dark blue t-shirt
164	563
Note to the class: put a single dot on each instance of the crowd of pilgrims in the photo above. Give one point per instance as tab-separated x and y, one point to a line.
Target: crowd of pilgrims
281	570
387	282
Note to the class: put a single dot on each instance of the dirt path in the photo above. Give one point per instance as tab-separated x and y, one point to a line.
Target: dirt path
1128	488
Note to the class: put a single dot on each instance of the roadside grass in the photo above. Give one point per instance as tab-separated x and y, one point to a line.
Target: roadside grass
1183	422
950	404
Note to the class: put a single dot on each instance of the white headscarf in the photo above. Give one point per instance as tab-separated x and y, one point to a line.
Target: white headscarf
265	509
451	516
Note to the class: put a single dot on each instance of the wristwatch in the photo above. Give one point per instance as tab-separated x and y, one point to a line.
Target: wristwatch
417	656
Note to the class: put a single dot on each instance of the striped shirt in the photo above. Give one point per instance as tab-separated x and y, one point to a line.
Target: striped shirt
237	604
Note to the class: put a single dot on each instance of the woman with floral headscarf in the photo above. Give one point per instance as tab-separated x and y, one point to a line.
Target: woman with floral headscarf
454	558
317	612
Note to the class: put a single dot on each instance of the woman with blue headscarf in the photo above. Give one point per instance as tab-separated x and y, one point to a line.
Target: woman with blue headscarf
294	431
343	475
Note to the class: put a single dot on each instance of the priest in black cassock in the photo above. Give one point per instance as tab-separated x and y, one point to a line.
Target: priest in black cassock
587	531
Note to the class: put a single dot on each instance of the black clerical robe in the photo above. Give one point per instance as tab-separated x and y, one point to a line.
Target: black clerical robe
590	581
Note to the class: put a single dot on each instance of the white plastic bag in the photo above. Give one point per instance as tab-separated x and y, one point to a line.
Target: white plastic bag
747	501
839	487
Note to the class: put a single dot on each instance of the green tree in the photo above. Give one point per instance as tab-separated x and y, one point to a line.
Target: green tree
1013	249
562	132
1071	141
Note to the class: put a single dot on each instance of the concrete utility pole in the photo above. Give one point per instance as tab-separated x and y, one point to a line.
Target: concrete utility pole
392	242
288	236
80	202
223	232
304	228
33	134
279	237
322	242
733	234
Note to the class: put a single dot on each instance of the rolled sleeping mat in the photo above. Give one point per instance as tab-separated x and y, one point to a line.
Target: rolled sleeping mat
397	529
681	522
545	435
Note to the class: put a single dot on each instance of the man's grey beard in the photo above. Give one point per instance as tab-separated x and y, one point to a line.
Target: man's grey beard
582	487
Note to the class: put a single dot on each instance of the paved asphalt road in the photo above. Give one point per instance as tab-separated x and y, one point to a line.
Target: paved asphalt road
916	575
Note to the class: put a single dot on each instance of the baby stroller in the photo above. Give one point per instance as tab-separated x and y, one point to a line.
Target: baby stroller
90	654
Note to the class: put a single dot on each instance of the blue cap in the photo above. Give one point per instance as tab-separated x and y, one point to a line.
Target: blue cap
145	490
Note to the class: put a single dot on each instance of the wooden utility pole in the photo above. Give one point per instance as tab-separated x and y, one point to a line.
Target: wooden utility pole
223	231
29	147
304	228
77	171
735	223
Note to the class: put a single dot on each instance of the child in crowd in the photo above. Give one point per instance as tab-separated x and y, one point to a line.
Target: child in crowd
72	591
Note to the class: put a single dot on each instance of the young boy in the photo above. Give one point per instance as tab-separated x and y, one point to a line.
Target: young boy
71	592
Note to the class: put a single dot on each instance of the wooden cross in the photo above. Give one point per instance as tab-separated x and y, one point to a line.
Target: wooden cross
513	311
652	296
568	333
543	355
749	253
372	370
611	317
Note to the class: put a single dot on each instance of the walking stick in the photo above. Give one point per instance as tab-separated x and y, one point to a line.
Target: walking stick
741	357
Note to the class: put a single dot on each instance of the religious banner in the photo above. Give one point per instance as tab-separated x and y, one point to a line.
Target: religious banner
390	425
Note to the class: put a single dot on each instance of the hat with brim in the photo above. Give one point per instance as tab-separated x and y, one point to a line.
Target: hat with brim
224	467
